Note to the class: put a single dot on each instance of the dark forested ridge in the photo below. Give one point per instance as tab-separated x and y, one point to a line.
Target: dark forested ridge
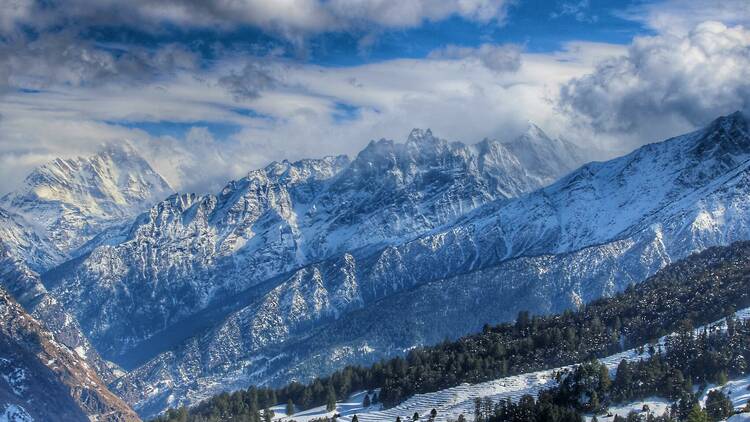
687	359
701	288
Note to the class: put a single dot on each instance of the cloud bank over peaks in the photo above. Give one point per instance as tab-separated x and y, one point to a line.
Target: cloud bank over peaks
665	83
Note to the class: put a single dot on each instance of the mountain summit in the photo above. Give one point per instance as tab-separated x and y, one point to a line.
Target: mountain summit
68	201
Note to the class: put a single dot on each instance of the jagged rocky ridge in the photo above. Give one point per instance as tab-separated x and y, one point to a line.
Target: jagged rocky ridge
592	233
25	285
43	380
59	206
191	251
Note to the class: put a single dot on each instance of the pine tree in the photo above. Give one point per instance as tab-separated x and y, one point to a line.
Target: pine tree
697	415
267	415
594	402
366	402
289	407
433	414
722	378
355	419
330	399
415	417
182	414
718	406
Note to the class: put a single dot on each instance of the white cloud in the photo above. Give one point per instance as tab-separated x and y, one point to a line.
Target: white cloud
659	86
297	118
13	11
291	18
250	81
500	58
62	58
578	9
404	14
679	17
666	83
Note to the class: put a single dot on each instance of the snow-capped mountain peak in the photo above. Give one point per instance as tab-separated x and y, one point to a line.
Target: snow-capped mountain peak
725	137
421	138
548	156
68	201
534	133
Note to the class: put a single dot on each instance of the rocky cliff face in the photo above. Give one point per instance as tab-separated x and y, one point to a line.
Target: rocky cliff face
591	233
24	284
43	380
60	206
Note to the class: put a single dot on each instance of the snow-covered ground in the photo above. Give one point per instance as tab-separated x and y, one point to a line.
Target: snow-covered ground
736	390
452	402
656	406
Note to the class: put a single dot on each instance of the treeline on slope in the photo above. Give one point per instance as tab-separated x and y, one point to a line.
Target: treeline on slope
702	288
687	359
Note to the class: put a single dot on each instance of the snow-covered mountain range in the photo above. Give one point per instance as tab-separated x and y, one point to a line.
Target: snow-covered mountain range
589	234
191	251
300	268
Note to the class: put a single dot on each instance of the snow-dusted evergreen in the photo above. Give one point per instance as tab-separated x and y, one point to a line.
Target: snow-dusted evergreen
459	400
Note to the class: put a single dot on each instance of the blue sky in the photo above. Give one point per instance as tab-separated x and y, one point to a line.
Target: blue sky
538	25
209	90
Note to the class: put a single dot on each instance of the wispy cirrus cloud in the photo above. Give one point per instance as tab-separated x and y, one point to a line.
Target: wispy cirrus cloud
578	9
680	17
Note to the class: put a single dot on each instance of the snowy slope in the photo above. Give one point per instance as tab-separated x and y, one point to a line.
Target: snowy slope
61	205
21	242
592	233
26	287
43	380
737	390
68	201
189	251
452	402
